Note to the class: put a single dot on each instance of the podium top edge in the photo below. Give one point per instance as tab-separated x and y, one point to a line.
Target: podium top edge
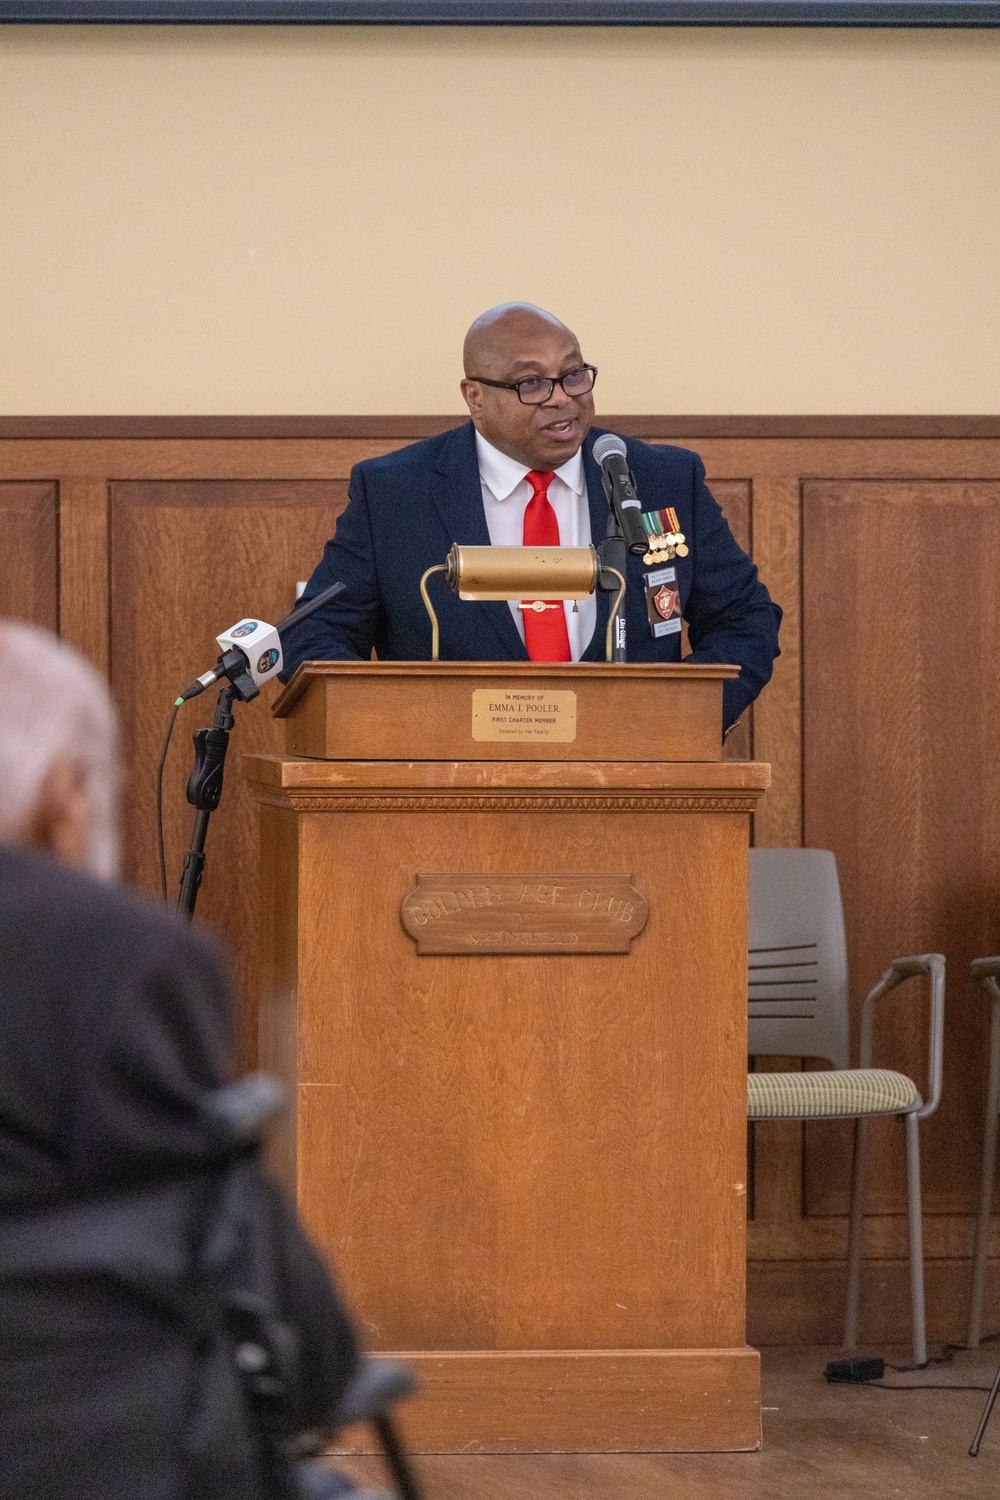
307	671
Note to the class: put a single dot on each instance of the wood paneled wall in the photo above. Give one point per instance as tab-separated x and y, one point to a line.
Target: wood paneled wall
140	538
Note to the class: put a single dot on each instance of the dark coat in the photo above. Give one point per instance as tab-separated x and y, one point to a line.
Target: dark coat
408	507
114	1027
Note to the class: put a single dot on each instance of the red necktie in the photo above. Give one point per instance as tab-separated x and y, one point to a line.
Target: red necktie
545	633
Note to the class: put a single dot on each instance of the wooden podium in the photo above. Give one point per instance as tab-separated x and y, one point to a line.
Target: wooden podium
503	973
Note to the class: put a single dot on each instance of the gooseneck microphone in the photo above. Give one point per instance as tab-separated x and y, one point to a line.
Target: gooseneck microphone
610	452
251	651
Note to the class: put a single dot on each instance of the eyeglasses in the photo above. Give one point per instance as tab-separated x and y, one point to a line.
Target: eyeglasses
535	390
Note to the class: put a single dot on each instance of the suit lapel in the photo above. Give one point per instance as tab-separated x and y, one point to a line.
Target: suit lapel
598	527
458	495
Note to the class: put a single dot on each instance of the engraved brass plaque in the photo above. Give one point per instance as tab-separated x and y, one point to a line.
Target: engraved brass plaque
524	913
522	713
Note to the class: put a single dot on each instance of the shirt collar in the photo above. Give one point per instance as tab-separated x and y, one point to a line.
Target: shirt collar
503	474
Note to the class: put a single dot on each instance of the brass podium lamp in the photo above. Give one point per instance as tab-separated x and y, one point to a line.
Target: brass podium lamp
537	574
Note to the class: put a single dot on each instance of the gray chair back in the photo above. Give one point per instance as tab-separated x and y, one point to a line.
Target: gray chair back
798	957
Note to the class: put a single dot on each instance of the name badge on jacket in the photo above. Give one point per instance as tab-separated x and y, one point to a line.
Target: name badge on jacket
663	602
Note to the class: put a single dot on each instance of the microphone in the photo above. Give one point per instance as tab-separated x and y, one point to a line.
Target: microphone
610	453
251	651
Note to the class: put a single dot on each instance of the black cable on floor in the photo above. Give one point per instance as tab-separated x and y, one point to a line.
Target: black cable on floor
944	1358
878	1385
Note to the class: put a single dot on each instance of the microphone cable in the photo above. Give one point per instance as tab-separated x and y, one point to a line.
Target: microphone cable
159	799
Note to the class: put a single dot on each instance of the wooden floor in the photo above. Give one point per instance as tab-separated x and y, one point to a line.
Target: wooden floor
821	1442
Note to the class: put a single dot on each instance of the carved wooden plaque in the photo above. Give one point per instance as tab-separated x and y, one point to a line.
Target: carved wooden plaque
524	713
524	913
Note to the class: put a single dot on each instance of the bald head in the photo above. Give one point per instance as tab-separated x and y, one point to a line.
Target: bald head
512	343
58	751
497	335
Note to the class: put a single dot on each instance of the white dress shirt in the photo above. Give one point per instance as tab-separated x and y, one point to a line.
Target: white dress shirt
506	493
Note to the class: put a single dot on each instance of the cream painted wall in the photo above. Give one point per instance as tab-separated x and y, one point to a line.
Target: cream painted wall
305	220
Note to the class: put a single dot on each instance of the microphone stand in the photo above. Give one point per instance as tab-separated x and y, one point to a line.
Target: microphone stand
613	553
204	791
987	1412
204	788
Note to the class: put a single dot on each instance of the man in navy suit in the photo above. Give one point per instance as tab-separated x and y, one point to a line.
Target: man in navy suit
522	472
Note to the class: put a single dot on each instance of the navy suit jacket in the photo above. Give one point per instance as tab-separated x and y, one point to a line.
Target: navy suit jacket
407	508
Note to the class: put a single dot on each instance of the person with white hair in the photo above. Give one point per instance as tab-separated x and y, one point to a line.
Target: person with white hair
117	1372
59	770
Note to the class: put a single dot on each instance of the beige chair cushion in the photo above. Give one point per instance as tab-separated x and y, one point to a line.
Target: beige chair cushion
842	1091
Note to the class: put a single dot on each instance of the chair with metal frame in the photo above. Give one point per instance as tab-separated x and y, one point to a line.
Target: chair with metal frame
799	1007
986	971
